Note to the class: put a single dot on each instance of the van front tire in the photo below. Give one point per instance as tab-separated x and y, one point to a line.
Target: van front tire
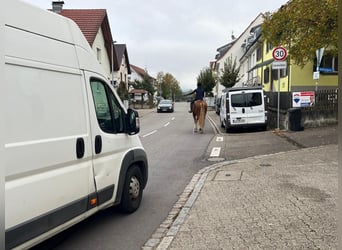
132	191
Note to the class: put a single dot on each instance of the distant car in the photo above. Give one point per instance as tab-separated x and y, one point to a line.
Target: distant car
165	106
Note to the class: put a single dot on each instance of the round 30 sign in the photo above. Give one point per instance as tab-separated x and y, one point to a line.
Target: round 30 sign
279	53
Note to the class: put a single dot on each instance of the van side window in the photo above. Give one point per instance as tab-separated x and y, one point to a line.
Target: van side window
108	110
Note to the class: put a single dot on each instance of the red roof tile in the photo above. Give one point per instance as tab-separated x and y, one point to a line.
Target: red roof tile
89	20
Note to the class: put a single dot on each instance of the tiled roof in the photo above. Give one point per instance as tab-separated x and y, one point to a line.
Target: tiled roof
139	71
137	91
89	20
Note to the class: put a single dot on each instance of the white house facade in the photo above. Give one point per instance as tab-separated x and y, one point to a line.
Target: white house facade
236	52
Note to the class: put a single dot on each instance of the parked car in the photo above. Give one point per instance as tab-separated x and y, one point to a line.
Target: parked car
243	107
218	105
165	106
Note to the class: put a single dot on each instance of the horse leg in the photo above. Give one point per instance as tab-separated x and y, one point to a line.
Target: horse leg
195	126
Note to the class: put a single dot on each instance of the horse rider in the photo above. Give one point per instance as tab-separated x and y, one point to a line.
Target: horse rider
199	95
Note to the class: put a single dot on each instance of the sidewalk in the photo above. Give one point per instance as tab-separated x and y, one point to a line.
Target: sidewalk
286	200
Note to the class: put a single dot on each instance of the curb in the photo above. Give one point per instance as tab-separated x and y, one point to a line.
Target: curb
167	231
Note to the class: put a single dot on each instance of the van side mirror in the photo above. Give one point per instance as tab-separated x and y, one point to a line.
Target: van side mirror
132	122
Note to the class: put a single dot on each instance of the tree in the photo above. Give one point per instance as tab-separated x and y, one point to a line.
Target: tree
303	27
170	87
230	73
207	80
122	91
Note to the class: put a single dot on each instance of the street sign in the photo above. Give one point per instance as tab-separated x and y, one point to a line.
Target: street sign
279	53
279	65
316	75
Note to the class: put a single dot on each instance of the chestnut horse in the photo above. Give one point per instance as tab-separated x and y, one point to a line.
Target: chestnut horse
199	111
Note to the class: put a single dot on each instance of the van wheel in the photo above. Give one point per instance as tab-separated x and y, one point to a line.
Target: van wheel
132	191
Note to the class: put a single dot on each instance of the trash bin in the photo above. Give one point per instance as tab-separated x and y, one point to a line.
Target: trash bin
295	117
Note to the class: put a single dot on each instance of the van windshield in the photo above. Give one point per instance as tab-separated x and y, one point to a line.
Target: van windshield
246	100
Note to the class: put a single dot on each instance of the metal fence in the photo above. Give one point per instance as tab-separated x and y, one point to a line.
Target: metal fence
324	112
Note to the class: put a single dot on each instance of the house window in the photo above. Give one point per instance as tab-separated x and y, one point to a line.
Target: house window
259	54
267	75
268	47
329	65
283	72
98	54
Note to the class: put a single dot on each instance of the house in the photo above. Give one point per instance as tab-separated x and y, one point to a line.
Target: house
235	49
122	73
257	66
137	75
95	27
252	54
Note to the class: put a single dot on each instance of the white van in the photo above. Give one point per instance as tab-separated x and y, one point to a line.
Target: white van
243	107
71	148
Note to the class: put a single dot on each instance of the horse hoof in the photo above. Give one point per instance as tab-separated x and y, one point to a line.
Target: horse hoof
195	130
201	131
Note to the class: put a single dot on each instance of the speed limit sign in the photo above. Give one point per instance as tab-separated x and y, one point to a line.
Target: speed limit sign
279	53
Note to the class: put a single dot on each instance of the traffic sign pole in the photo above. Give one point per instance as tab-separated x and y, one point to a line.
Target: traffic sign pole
279	54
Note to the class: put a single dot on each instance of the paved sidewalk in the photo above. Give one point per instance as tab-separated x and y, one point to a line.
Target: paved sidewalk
285	200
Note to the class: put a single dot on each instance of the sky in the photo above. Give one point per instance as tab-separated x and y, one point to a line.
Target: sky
175	36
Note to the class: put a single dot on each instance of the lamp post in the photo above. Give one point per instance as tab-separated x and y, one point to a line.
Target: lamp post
112	59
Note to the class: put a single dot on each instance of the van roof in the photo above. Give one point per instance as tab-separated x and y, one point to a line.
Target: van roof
241	88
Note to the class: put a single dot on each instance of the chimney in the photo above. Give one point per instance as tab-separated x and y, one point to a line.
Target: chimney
57	6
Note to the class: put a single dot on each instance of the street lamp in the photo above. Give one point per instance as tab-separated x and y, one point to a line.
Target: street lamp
112	58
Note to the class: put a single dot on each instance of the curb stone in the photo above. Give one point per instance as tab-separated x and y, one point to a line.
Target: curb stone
162	238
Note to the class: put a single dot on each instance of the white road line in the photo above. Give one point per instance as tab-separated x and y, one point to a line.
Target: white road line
173	118
219	138
215	152
148	134
166	124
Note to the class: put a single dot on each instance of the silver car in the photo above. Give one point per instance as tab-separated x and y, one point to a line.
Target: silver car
165	106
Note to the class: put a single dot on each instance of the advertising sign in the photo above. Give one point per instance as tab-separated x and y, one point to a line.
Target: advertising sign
303	99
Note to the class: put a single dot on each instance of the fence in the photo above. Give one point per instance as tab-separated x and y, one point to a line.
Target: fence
324	112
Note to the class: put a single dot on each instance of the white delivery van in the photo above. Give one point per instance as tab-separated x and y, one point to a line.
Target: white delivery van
243	107
70	146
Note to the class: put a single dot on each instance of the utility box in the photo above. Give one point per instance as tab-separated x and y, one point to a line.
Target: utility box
295	117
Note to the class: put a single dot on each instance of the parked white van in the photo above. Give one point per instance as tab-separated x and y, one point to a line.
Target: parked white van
71	147
243	107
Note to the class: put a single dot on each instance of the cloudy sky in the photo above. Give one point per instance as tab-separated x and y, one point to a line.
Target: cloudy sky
175	36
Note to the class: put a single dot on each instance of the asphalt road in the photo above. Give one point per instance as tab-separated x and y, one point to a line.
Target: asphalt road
175	154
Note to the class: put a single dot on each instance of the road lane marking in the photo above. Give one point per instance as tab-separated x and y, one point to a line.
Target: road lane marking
215	152
148	134
166	124
173	118
219	138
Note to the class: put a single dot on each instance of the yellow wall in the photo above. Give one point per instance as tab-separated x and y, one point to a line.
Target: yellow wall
300	78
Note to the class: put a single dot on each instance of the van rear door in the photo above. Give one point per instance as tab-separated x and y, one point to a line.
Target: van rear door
255	108
247	107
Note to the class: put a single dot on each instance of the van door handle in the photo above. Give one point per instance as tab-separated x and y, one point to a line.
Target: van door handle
79	148
243	110
98	144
